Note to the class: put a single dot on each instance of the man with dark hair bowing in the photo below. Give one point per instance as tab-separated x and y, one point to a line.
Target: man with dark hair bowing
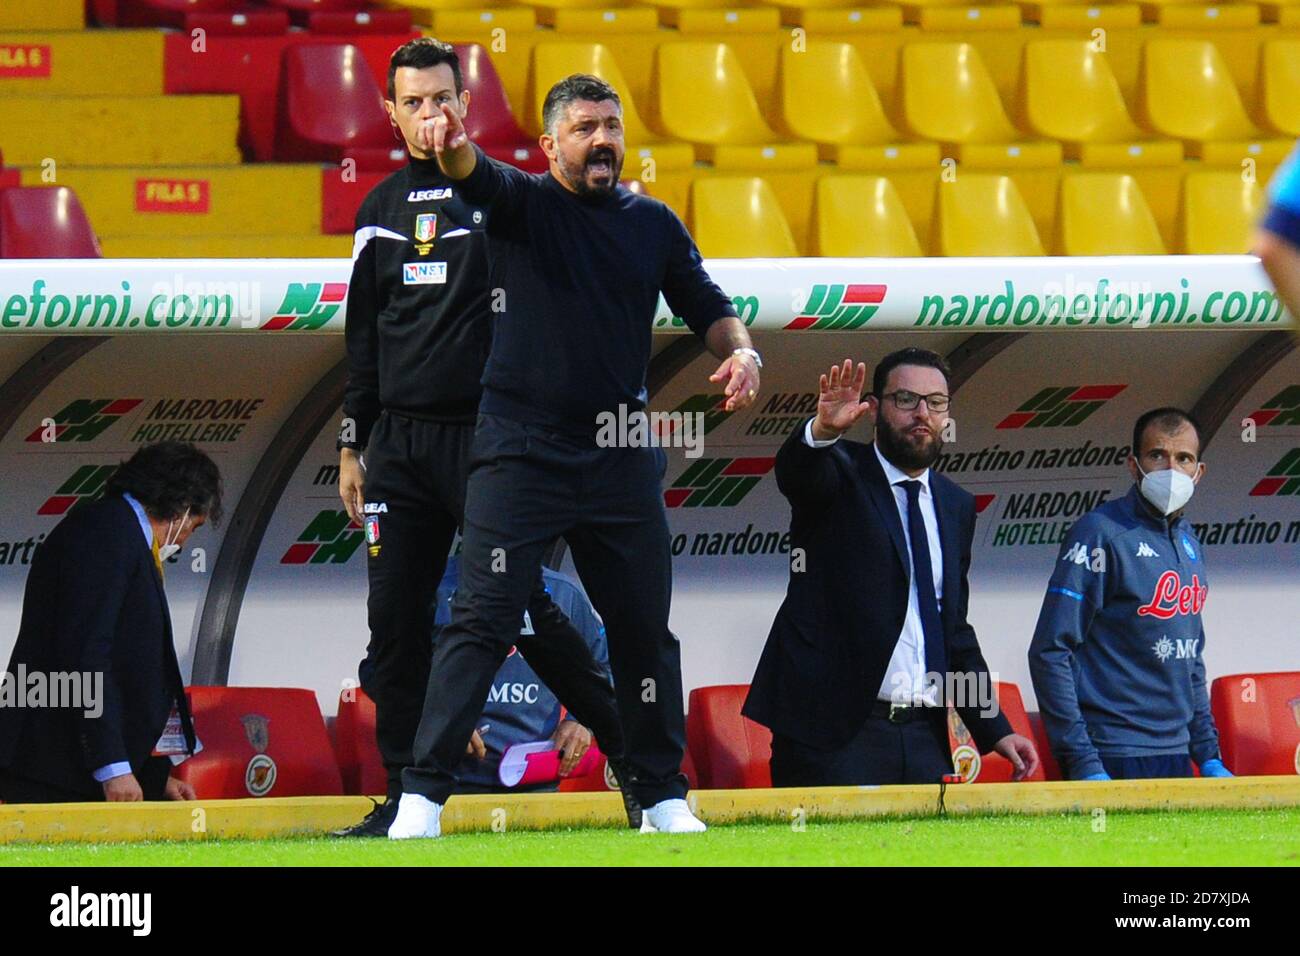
576	265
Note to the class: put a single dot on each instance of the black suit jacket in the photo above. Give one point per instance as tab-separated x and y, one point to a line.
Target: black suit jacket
829	648
94	603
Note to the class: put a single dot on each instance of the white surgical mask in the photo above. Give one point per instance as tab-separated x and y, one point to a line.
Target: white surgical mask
170	547
1167	490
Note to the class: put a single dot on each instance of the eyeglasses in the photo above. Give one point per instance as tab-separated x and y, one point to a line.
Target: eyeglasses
936	402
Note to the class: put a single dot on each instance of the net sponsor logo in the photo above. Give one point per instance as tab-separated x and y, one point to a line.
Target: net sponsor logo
26	61
1281	410
717	482
838	306
1060	406
307	306
83	419
1282	479
329	538
182	196
84	485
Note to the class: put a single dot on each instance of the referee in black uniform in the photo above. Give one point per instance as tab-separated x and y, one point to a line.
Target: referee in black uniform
580	262
418	332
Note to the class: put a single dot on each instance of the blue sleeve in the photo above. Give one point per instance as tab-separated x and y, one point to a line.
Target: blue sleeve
1283	216
1075	592
1202	733
497	186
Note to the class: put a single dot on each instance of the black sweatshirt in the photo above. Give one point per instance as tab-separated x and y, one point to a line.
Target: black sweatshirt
580	281
418	327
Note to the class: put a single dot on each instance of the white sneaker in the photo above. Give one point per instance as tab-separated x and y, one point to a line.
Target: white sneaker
417	817
670	816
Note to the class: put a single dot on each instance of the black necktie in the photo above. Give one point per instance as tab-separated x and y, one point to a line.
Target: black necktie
936	660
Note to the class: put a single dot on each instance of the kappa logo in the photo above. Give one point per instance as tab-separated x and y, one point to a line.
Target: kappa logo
307	306
1282	479
717	482
1180	649
84	419
838	306
424	273
1146	551
1279	411
331	538
427	195
1061	406
85	485
1078	553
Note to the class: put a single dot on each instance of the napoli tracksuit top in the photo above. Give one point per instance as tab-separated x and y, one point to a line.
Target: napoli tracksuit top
1116	658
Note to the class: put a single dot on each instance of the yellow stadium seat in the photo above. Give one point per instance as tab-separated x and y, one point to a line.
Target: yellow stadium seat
1279	85
1218	214
175	201
860	216
311	246
1105	214
1187	92
948	96
602	19
827	97
1084	15
738	217
552	62
1201	14
121	131
983	215
699	94
42	15
1069	92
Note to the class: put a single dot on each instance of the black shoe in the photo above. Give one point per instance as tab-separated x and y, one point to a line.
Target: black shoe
622	774
376	823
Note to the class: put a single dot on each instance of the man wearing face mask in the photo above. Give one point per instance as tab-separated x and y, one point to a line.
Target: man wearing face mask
95	607
1116	658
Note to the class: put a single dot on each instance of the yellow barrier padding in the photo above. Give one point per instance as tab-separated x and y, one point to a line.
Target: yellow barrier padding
277	817
42	14
120	130
91	62
196	201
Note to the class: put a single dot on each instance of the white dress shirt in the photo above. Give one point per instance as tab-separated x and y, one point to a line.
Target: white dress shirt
905	676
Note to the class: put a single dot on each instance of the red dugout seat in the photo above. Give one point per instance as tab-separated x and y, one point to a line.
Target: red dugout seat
161	13
1258	716
38	222
992	768
360	766
329	103
1051	769
730	751
259	742
491	123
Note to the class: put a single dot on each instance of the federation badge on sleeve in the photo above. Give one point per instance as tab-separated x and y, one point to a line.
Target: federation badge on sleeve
426	225
372	535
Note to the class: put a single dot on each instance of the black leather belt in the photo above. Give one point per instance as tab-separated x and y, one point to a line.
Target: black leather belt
897	713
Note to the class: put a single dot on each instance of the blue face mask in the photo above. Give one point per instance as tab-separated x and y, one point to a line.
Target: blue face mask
1168	490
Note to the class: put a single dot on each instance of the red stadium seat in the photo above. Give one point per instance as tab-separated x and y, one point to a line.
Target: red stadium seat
991	768
250	22
360	766
168	13
491	123
259	742
316	6
38	222
730	751
329	103
1051	769
1258	716
354	22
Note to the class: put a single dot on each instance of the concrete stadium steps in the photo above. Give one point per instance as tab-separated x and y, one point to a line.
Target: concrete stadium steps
275	817
89	62
228	247
42	15
120	130
169	201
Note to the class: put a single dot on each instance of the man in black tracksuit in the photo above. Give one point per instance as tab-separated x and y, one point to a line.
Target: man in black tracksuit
581	262
418	333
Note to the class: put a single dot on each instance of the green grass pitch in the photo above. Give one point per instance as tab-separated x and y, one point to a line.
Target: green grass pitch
1183	838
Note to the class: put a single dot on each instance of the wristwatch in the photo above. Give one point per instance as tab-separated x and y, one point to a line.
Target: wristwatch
752	353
